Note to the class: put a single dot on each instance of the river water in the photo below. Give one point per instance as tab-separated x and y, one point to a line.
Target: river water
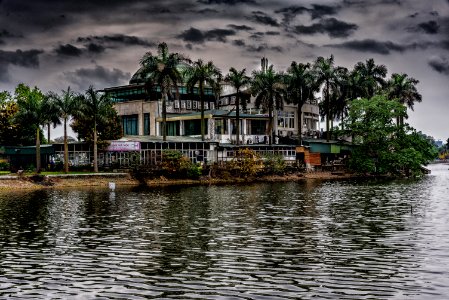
315	239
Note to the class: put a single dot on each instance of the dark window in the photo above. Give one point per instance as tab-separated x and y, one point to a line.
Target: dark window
146	124
129	125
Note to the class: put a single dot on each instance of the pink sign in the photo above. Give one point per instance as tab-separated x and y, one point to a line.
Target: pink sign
124	146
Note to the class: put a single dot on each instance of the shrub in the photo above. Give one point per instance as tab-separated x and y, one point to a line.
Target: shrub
274	164
246	163
175	165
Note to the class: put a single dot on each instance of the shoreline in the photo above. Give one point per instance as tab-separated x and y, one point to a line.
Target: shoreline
13	183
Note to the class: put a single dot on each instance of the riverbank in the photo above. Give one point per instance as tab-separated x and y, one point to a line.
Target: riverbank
125	179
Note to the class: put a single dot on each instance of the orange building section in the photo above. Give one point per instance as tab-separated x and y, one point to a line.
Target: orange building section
313	159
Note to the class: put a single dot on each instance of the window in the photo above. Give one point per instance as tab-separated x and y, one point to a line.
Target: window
221	126
257	127
146	124
129	125
193	127
286	119
234	126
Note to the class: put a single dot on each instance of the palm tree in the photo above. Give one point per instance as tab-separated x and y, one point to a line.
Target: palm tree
238	79
96	106
65	105
327	75
32	110
202	74
51	115
300	88
372	76
163	70
267	86
403	89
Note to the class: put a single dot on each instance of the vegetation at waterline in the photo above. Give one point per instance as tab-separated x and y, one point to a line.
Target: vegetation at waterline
385	146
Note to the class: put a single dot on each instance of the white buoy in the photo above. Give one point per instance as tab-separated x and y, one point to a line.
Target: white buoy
112	186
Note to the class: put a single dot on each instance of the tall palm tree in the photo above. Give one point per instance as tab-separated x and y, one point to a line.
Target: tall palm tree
202	74
300	88
32	110
238	79
163	70
65	105
51	115
268	88
95	105
403	89
326	74
372	76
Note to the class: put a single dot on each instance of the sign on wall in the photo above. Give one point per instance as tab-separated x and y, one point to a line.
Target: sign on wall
124	146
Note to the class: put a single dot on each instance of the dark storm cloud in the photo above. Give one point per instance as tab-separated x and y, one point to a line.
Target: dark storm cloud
372	46
227	2
440	64
195	35
431	27
333	27
100	76
207	11
262	18
367	3
95	48
127	40
263	48
27	59
240	27
239	43
316	11
68	50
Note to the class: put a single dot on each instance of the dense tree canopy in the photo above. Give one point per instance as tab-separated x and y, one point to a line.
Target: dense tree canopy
383	147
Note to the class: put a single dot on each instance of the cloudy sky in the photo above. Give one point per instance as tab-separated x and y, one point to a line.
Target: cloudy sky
54	44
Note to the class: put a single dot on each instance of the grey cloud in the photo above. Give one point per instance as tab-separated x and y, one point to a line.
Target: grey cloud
68	50
227	2
100	76
128	40
431	27
333	27
240	27
95	48
27	59
440	64
316	11
264	48
372	46
263	18
239	43
195	35
207	11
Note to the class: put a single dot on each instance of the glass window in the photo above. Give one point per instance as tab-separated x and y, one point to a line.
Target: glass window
221	126
257	127
129	125
286	119
193	127
146	124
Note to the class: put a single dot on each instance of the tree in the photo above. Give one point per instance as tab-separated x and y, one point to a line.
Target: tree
381	146
202	74
403	89
326	74
163	70
372	77
238	79
300	88
94	109
268	88
32	111
64	106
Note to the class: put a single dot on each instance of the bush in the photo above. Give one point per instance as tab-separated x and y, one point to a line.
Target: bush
246	163
175	165
4	166
274	164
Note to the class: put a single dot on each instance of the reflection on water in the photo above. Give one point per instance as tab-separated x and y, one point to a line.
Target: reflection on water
325	240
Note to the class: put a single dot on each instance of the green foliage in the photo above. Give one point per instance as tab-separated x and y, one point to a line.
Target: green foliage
4	165
274	164
385	147
175	165
246	163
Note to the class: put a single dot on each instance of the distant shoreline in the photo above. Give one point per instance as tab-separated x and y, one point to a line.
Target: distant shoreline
12	183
